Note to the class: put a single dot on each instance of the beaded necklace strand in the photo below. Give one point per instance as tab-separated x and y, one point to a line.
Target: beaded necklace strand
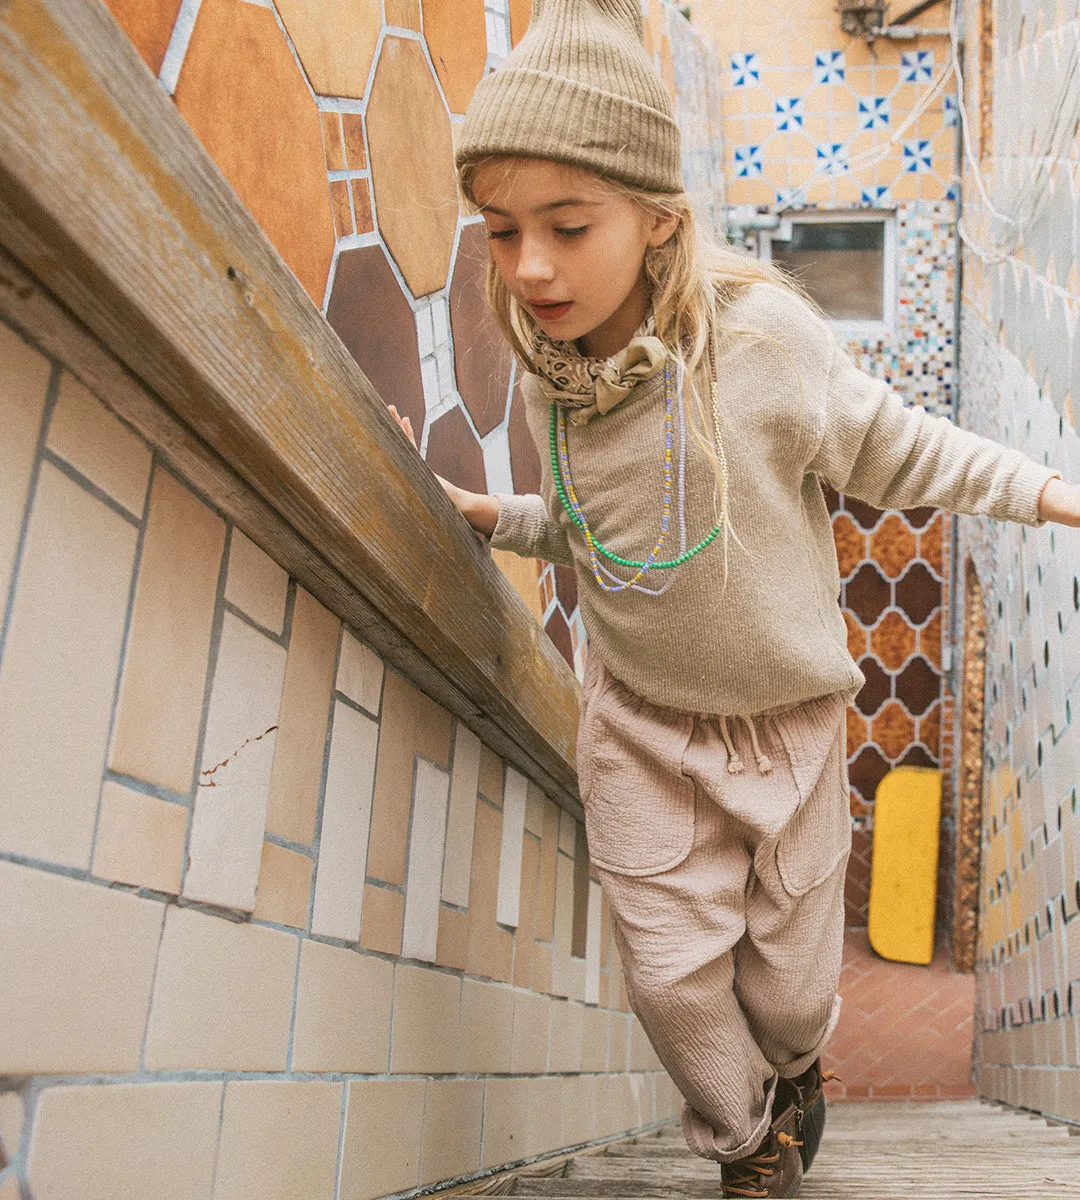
561	474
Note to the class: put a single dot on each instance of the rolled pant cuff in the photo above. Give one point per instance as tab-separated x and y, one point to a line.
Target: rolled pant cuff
701	1137
797	1066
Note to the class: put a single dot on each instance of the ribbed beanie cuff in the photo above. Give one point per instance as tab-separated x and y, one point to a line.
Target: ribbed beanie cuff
579	88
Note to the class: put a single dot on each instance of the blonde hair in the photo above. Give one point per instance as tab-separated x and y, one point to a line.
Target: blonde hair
691	278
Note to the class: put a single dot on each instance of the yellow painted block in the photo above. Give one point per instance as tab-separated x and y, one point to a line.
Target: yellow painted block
903	870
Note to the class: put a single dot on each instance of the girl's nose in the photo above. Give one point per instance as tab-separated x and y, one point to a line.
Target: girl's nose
533	264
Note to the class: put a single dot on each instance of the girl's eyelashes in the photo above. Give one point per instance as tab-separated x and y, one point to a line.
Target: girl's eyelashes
500	234
572	233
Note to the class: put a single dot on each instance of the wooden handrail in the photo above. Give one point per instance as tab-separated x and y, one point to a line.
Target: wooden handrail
109	201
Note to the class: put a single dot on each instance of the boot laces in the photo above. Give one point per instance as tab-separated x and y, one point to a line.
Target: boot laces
749	1174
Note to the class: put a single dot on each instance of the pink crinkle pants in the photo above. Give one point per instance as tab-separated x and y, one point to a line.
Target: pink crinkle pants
726	890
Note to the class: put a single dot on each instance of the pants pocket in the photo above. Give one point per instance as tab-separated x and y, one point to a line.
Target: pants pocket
817	838
639	806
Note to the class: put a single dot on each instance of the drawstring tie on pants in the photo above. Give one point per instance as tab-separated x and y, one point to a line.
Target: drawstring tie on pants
735	763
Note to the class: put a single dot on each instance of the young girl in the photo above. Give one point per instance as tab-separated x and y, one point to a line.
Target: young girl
686	404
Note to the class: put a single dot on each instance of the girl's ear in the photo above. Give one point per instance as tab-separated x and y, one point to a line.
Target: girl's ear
661	227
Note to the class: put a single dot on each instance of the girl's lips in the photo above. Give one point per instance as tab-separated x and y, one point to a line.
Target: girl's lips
551	312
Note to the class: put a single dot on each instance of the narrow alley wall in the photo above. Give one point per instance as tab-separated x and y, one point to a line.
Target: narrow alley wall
1020	383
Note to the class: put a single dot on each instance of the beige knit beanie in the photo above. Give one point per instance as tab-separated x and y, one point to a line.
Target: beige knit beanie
579	88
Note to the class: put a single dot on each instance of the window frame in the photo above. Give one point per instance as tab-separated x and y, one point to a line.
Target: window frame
848	328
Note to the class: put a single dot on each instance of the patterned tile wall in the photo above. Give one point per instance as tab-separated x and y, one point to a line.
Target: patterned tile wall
1021	312
271	912
341	145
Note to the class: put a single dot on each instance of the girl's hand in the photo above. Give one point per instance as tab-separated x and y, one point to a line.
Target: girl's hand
479	510
1060	502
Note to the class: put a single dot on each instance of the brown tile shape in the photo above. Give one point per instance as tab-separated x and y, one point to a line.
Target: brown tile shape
918	517
372	317
918	685
352	127
918	593
452	949
930	543
892	546
868	594
454	453
403	13
857	731
857	881
336	42
333	145
857	637
864	514
361	195
559	632
491	948
929	730
457	39
893	640
149	25
383	920
832	497
916	756
893	730
262	129
524	459
339	202
412	165
930	639
566	587
520	10
481	355
877	688
867	771
490	783
850	544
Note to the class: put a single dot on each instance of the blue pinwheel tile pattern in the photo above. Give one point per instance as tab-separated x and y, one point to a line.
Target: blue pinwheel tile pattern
873	112
918	156
789	112
917	66
873	196
829	66
748	164
832	157
745	69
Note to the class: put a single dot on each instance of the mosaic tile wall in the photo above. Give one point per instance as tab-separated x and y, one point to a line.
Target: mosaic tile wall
275	924
814	119
341	145
1021	338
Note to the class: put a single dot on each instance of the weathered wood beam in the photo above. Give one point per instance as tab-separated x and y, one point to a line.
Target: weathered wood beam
109	203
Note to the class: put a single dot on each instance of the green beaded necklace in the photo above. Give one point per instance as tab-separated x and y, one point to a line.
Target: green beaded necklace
557	441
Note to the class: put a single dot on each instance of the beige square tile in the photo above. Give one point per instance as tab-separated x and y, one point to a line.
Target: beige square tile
223	996
59	670
384	919
487	1022
542	963
491	776
619	1042
594	1039
23	389
98	445
255	584
491	949
566	1036
279	1141
427	841
464	781
508	904
360	673
507	1106
125	1141
453	948
284	892
529	1048
453	1115
140	839
383	1127
426	1021
296	778
91	952
346	819
568	973
578	1107
11	1126
545	896
342	1011
229	820
523	938
534	810
160	707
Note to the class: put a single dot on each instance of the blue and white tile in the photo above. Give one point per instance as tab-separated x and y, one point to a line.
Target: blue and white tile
789	112
745	69
917	66
873	112
918	156
829	66
748	162
832	157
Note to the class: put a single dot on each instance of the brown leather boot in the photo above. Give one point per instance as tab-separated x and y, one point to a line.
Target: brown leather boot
811	1109
774	1169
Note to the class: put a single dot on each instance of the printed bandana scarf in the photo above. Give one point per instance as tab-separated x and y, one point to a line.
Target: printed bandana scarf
587	386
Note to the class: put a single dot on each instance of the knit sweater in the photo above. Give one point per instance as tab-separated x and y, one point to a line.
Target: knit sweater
795	411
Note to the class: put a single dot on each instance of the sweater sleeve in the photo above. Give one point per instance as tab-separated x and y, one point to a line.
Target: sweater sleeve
876	449
525	527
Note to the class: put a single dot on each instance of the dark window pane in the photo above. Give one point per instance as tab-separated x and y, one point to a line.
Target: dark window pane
840	264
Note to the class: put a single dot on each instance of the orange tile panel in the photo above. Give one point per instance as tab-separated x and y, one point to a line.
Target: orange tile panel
893	641
361	195
262	129
457	38
857	731
149	25
333	146
519	19
929	730
892	545
339	202
412	165
352	126
930	543
893	730
403	13
930	639
452	947
850	544
857	636
335	42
